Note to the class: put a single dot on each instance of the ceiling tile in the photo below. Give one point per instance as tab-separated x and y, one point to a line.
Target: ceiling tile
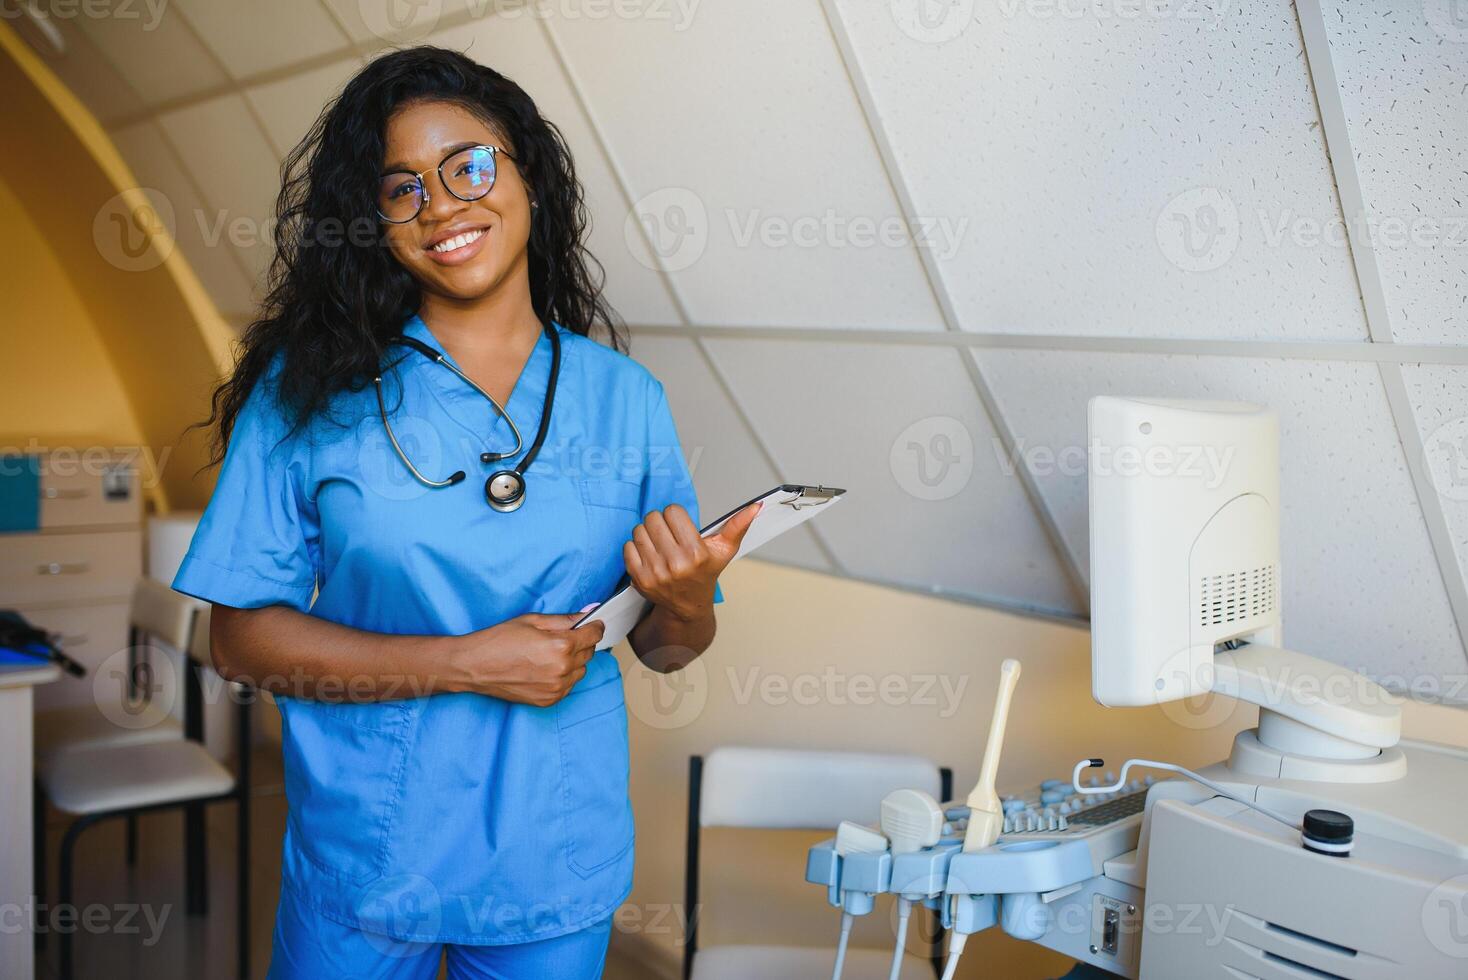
264	34
750	164
289	107
516	47
1401	69
1137	176
90	77
1361	584
929	504
1439	396
158	53
148	156
228	157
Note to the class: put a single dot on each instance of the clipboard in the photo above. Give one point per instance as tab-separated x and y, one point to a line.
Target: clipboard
785	507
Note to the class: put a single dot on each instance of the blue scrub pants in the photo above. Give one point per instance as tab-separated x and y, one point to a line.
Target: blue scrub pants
310	947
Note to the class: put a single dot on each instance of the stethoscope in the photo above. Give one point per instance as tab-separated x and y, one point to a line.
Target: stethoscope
504	490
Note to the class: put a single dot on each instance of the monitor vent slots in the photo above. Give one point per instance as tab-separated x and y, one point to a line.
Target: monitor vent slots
1234	596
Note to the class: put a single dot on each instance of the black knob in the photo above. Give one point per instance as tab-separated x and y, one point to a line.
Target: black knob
1328	832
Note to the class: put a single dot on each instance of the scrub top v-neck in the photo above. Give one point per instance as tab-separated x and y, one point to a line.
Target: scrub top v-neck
456	818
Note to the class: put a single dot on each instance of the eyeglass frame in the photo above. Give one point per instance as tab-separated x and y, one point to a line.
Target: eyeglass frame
427	199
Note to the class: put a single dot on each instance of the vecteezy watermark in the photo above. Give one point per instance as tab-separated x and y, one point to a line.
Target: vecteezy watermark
1448	18
134	229
121	919
933	458
1199	229
149	13
932	21
114	466
1445	917
1209	13
136	687
672	224
1206	463
669	230
830	229
1445	450
839	688
667	701
400	905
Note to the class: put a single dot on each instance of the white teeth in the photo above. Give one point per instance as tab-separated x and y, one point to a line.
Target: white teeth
459	241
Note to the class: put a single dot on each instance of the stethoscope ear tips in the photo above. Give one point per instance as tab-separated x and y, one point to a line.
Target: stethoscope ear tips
455	478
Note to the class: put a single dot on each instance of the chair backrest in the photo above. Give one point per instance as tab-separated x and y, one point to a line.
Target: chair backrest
199	642
793	789
798	789
163	614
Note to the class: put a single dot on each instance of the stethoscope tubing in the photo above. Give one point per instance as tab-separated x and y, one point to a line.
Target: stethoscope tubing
516	475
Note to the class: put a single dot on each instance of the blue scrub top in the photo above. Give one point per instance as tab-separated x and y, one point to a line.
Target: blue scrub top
455	818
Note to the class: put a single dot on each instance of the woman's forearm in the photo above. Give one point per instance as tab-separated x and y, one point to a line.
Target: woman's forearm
531	659
280	650
665	642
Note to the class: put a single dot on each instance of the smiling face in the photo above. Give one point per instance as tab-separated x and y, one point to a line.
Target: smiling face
459	250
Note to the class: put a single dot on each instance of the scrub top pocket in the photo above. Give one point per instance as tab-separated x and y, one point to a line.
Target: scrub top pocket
345	767
612	511
594	771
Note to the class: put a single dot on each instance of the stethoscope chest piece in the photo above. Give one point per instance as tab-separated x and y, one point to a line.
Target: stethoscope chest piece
505	491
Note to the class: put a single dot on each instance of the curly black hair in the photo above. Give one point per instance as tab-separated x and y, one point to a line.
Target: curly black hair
335	293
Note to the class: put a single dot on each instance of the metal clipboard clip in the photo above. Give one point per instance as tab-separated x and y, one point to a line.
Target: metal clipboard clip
810	497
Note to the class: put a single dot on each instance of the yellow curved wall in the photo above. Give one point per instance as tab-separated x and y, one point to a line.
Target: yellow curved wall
99	344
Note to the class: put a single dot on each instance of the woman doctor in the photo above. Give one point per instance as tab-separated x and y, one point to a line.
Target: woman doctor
428	468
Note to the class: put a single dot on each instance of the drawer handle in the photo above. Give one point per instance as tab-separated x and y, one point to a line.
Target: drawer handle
62	493
63	568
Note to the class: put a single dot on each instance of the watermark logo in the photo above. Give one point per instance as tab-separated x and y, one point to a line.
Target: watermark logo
673	223
383	470
1449	18
148	12
933	458
129	687
400	20
1445	917
932	21
669	701
1445	451
1199	229
134	229
405	905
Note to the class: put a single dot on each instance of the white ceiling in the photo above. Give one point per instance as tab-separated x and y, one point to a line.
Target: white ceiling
1109	202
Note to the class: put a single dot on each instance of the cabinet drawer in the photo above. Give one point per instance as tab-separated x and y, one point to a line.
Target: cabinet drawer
81	492
55	568
90	635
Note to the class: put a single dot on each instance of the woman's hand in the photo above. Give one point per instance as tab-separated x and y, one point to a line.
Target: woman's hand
532	659
674	566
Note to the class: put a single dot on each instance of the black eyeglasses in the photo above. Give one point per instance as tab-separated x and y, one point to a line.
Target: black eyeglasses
468	174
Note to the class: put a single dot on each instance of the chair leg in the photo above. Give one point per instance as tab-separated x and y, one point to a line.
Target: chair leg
65	903
132	840
242	883
38	858
196	861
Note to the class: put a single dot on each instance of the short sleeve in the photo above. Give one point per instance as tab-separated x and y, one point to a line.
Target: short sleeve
257	542
667	480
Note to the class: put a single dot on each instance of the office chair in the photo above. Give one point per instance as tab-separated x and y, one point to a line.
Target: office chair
792	789
98	783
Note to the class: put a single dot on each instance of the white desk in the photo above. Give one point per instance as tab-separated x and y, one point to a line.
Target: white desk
17	891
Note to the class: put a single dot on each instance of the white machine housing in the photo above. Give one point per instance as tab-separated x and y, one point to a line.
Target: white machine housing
1185	586
1184	500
